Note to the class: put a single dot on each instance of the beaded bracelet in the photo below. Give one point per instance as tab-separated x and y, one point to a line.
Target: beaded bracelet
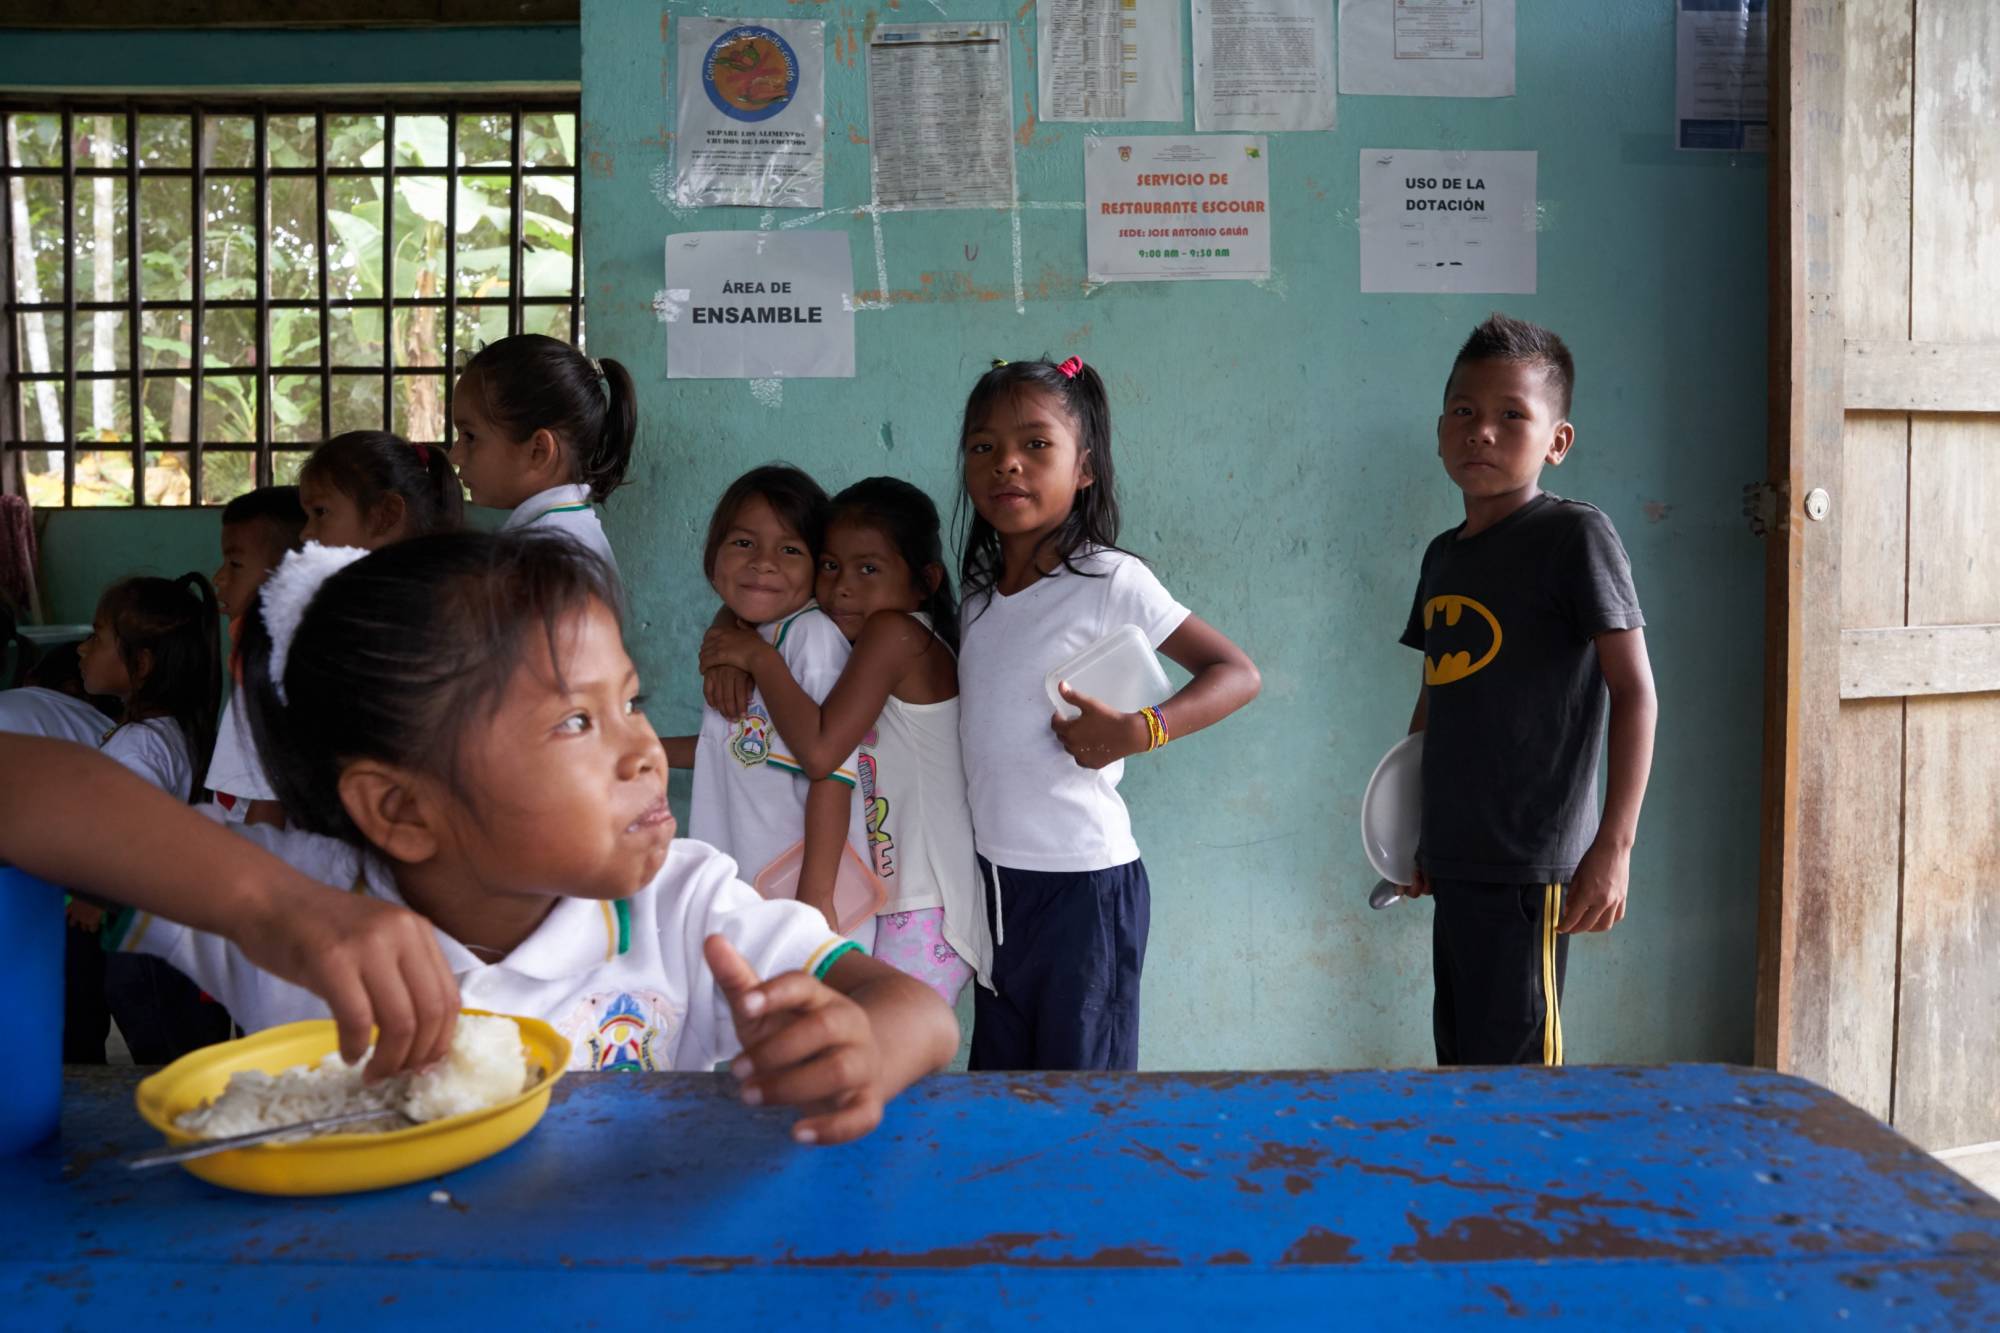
1156	728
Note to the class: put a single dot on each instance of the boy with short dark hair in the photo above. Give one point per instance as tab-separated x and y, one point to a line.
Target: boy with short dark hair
258	528
1527	619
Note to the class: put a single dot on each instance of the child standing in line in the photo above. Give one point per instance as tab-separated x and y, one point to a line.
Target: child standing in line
547	432
458	729
1043	579
152	647
882	581
369	488
753	797
1527	619
258	528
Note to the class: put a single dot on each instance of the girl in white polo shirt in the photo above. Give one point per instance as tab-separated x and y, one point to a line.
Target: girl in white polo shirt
753	796
1043	578
453	725
547	432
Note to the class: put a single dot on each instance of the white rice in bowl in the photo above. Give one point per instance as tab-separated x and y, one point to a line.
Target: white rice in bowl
487	1064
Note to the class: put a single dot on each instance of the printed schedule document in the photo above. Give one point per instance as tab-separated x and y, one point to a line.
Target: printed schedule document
941	126
1109	59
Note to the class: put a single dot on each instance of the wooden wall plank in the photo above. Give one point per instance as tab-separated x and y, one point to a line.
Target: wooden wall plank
1849	916
1894	375
1919	660
1948	1046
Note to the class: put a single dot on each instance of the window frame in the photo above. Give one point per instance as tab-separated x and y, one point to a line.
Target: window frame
389	104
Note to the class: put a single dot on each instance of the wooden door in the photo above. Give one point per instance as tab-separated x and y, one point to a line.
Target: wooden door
1879	934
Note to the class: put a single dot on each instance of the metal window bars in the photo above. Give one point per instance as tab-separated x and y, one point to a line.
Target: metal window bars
198	308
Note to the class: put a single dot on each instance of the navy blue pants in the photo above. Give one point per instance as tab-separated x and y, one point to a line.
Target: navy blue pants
1067	969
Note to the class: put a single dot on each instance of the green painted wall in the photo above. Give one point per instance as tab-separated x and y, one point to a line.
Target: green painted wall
1275	448
83	550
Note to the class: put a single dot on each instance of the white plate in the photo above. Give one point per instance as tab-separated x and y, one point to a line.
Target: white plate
1392	811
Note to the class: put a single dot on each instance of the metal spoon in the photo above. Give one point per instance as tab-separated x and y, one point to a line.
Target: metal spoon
1384	894
208	1147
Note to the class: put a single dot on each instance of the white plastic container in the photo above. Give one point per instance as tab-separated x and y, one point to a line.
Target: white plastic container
1119	669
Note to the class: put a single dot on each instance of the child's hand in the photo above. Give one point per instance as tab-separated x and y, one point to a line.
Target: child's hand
84	916
733	647
726	689
1102	735
1596	897
804	1044
376	965
1419	885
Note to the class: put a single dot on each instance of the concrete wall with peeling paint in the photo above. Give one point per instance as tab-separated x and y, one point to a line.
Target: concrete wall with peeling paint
1276	453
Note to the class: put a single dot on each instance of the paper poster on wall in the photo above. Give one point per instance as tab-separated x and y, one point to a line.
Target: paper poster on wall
940	115
1427	48
1722	78
1108	59
759	305
1263	65
752	118
1162	208
1447	222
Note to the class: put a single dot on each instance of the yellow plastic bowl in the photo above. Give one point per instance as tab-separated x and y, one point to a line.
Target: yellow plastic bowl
341	1163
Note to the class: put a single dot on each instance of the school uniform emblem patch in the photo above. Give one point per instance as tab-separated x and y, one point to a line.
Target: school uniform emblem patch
623	1031
750	739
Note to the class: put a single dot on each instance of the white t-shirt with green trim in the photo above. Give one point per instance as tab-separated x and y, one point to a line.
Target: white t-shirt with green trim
749	792
625	982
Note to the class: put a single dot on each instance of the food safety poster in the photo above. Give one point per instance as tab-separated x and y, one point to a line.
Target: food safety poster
759	305
752	106
1447	222
1159	207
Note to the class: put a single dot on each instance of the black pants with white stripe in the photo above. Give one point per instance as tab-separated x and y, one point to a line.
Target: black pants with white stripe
1498	967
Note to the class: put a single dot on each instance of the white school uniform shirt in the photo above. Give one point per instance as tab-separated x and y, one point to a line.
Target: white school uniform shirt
1034	807
35	711
565	509
912	793
749	795
624	981
157	751
234	769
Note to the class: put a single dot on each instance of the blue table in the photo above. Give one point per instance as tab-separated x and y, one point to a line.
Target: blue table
1592	1198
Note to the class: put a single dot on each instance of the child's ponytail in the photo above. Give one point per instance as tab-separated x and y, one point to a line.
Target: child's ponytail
532	382
176	624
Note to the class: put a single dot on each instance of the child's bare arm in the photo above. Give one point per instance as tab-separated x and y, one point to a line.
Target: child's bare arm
822	736
375	965
829	802
680	750
1596	899
1225	679
839	1049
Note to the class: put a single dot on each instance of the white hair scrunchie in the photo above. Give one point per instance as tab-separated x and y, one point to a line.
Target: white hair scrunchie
289	591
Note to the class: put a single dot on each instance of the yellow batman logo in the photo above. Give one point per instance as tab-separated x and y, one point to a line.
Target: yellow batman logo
1454	666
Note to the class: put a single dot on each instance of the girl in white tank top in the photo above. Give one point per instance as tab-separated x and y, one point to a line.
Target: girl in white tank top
882	580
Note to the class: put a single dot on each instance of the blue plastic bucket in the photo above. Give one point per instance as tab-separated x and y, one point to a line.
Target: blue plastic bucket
31	998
